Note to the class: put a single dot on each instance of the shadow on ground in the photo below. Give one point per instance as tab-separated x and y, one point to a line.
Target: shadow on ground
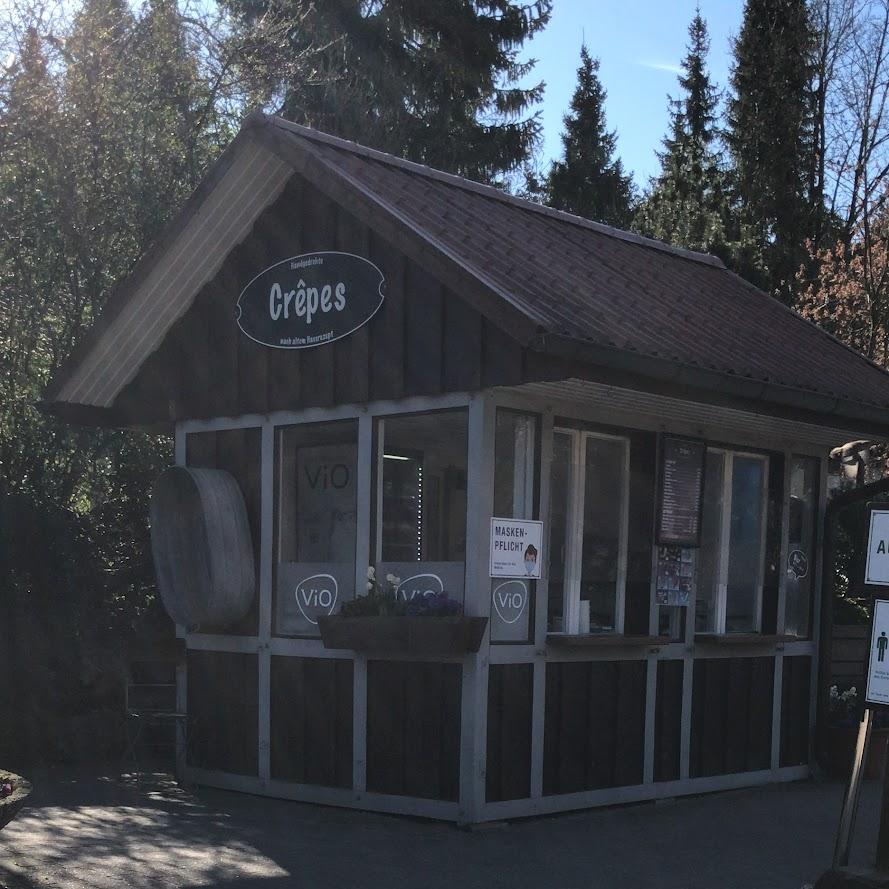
95	829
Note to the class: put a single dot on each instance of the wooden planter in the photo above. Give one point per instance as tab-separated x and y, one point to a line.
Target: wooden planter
841	749
413	635
11	805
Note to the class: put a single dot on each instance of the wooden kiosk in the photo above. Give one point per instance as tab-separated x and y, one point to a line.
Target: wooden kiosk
385	357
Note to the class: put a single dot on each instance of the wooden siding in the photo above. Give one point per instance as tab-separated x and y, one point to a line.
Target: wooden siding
425	339
594	725
795	684
668	721
311	720
508	768
223	711
237	451
731	715
413	728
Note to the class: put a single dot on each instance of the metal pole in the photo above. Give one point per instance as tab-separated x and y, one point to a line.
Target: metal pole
850	802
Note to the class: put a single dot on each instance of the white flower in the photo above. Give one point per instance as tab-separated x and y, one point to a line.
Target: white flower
392	578
371	572
370	586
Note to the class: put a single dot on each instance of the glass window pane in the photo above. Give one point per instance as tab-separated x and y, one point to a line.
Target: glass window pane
560	483
514	479
422	510
514	462
804	473
602	526
315	572
745	545
707	594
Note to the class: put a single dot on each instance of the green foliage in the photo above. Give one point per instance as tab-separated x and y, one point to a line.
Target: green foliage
435	81
771	137
590	181
106	125
688	203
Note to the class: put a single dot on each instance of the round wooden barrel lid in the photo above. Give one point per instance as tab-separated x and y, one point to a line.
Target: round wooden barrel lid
200	540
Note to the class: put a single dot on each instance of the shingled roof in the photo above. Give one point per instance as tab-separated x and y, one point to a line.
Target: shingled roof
571	286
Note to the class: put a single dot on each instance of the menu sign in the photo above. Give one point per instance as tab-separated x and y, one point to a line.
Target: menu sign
682	488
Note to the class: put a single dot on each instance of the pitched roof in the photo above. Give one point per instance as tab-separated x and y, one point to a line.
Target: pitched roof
561	281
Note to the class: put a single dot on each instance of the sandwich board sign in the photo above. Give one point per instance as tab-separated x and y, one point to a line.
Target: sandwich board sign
877	691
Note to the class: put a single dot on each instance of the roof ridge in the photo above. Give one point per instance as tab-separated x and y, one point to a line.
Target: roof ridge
489	191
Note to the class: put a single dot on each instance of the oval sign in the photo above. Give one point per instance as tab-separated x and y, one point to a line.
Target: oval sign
510	599
310	300
316	595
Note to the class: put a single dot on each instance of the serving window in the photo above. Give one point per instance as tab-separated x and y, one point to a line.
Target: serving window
732	552
588	532
316	469
420	502
804	486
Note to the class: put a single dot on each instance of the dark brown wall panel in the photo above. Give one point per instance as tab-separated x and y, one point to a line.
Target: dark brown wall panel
237	451
668	721
508	768
731	718
223	711
425	339
311	721
594	725
795	693
413	728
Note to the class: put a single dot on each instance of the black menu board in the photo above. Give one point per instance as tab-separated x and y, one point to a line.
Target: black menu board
681	491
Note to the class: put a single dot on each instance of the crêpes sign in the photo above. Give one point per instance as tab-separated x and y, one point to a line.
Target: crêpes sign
310	300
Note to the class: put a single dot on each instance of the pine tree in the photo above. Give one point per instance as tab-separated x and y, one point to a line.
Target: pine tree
770	136
436	81
589	180
687	204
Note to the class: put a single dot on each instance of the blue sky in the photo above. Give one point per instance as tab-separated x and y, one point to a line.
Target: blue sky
640	44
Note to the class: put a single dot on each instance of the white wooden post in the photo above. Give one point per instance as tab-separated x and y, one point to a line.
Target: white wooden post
477	601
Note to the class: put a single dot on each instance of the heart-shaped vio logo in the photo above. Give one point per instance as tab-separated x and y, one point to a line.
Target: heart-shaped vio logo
316	595
418	586
510	599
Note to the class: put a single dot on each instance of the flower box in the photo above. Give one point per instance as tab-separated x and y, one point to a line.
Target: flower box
11	805
403	633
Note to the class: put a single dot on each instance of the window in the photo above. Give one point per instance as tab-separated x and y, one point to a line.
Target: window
731	559
515	447
804	478
588	532
420	514
317	523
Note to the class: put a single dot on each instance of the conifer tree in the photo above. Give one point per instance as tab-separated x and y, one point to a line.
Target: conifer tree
687	204
770	136
436	81
589	180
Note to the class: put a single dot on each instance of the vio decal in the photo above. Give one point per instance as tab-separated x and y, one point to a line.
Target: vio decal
316	596
510	600
419	585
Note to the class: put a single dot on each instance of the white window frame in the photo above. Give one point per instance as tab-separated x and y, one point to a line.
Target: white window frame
721	597
574	530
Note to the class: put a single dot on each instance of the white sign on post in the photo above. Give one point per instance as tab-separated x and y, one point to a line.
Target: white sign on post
516	548
878	660
877	568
